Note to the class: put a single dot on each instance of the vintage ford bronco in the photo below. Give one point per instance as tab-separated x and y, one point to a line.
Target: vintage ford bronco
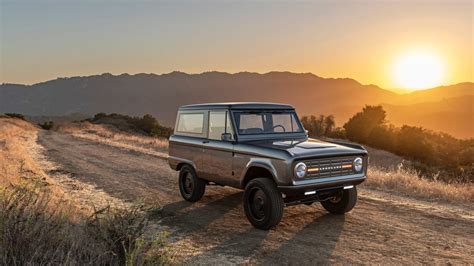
263	148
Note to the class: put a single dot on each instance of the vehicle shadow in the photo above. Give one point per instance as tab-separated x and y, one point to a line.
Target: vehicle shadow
314	244
220	224
240	246
186	221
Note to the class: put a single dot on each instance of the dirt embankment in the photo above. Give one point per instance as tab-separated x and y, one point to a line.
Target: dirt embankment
383	227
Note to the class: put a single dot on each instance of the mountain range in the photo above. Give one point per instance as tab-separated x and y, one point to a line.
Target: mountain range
446	108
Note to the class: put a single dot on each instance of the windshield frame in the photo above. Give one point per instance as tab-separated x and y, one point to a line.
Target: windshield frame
272	135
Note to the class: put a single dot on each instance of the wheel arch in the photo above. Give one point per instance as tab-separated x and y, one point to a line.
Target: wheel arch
184	162
258	169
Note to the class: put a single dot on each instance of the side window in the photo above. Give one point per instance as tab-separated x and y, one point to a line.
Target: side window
219	122
191	123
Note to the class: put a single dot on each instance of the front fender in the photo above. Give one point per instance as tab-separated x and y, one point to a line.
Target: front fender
262	163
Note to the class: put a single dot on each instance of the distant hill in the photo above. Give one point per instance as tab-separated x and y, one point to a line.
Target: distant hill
161	95
452	115
438	93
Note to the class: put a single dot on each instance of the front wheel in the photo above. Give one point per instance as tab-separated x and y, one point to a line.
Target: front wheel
342	202
263	203
192	188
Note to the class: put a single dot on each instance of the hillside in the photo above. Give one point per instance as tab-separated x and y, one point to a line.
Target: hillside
160	95
453	115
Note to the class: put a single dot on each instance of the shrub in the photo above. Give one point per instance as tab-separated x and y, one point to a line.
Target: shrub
147	124
32	233
47	125
15	115
434	154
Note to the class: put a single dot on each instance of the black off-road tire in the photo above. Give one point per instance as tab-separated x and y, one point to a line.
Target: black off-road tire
192	188
342	204
271	211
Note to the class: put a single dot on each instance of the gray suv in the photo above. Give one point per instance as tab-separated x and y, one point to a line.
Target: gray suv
263	149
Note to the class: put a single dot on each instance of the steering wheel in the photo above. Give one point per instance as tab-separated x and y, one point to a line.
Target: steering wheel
282	127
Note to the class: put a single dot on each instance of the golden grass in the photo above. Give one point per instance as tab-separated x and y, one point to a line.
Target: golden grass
20	167
16	161
110	135
407	182
40	223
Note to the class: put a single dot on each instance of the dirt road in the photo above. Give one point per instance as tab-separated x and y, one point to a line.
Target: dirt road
382	228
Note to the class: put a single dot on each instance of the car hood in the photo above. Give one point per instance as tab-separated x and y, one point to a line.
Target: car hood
310	147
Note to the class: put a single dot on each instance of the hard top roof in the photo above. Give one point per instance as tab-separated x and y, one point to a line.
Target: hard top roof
238	105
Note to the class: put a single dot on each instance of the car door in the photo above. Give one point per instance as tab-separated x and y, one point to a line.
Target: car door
218	154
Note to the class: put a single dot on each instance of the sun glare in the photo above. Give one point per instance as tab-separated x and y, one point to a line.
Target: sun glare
418	70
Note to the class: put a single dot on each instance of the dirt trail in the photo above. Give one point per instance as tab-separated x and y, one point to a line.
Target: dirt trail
382	228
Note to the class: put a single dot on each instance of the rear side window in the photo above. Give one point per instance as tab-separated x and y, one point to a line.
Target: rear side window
191	123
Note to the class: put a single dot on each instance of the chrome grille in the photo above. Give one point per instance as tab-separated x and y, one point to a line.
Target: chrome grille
329	167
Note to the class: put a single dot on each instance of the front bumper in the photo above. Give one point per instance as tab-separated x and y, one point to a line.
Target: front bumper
300	187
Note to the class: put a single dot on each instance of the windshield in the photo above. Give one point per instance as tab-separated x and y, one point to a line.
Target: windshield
267	122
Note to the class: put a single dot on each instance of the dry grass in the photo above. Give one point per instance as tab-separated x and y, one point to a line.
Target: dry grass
39	224
110	135
408	183
19	164
391	173
16	161
34	233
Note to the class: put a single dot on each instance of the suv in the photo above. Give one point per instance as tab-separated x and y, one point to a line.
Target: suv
263	148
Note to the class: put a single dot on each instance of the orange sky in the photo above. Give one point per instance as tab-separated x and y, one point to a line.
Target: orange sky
42	40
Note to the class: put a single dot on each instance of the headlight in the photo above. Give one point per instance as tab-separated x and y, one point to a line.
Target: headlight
358	164
300	170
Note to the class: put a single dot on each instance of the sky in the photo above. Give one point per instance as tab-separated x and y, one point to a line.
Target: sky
42	40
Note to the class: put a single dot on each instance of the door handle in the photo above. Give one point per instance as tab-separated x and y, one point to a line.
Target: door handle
205	141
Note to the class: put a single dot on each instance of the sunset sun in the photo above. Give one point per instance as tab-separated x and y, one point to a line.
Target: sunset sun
418	70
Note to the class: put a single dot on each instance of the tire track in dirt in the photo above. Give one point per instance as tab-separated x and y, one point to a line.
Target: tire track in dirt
215	230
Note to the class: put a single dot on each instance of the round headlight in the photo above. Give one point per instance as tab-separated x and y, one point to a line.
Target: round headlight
358	164
300	170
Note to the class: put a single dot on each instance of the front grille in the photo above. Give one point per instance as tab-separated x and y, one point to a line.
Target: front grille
329	167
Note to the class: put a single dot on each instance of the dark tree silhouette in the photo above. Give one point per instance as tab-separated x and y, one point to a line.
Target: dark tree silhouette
359	127
319	126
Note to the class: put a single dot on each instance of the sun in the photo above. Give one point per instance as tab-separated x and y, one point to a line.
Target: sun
417	70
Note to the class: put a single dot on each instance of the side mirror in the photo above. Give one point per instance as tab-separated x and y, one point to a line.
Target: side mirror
226	137
306	132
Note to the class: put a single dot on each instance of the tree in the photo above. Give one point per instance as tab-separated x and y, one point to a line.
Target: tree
329	124
413	142
320	126
359	127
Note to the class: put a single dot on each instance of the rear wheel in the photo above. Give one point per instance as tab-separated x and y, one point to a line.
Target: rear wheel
192	188
263	203
342	202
